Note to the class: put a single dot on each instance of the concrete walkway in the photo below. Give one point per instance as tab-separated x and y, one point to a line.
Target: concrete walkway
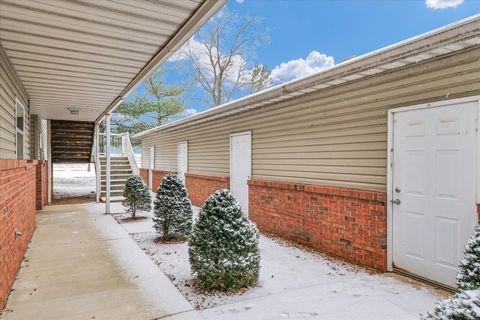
82	265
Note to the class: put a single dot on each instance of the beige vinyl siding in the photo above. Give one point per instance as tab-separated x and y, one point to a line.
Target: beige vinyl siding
10	88
334	137
38	137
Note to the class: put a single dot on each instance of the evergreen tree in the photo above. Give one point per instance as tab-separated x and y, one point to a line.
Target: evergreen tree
223	247
172	209
469	270
464	305
158	104
137	196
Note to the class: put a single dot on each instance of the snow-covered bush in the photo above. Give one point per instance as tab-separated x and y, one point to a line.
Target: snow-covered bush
469	270
223	247
137	197
464	305
172	209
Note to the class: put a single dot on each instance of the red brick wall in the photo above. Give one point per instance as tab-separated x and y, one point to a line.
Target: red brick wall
200	187
348	223
157	177
17	212
144	175
41	183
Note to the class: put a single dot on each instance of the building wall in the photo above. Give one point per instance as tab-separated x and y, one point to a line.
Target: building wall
319	161
38	137
157	177
10	88
200	187
336	137
41	184
347	223
17	213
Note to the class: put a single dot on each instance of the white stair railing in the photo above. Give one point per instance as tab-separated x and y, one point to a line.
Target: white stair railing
120	144
116	143
127	150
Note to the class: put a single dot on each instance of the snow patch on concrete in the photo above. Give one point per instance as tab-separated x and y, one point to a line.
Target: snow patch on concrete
293	284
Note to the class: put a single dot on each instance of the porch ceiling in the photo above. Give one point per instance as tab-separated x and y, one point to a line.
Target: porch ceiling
87	54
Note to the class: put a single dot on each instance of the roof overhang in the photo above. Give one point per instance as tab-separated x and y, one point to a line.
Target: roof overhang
446	40
88	54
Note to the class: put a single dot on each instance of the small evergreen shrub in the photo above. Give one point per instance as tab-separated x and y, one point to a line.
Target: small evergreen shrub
137	196
469	270
464	305
223	247
172	209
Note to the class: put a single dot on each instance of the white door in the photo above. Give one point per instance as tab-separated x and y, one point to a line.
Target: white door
434	188
240	167
182	159
151	166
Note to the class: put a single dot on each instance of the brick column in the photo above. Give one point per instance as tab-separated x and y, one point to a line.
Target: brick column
41	183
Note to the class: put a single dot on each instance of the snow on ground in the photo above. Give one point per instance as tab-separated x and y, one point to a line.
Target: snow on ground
294	284
73	180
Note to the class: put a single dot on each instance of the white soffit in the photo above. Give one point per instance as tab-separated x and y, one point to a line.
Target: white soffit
86	54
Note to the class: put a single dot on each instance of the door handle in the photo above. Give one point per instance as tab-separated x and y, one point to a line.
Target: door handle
396	201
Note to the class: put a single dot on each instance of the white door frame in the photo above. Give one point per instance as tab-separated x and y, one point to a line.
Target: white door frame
390	162
249	133
178	144
151	166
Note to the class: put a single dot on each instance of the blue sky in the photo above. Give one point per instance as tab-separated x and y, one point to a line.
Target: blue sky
308	35
343	28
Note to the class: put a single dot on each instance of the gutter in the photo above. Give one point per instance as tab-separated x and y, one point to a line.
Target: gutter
468	28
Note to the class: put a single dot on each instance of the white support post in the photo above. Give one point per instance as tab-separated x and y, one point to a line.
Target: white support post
107	165
50	164
98	167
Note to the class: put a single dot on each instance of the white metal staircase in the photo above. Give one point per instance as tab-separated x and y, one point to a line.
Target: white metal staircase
122	165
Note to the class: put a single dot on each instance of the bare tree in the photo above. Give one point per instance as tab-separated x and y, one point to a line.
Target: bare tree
220	52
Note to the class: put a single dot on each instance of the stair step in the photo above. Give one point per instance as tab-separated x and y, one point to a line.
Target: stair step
121	172
117	166
113	187
115	182
113	199
114	158
113	193
116	176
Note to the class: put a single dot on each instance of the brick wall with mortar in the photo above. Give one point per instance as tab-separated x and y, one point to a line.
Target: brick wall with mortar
347	223
17	213
41	183
144	175
200	187
157	177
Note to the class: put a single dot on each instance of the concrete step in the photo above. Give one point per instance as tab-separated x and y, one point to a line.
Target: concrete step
116	176
113	187
114	182
114	159
116	166
113	199
113	193
116	163
118	171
